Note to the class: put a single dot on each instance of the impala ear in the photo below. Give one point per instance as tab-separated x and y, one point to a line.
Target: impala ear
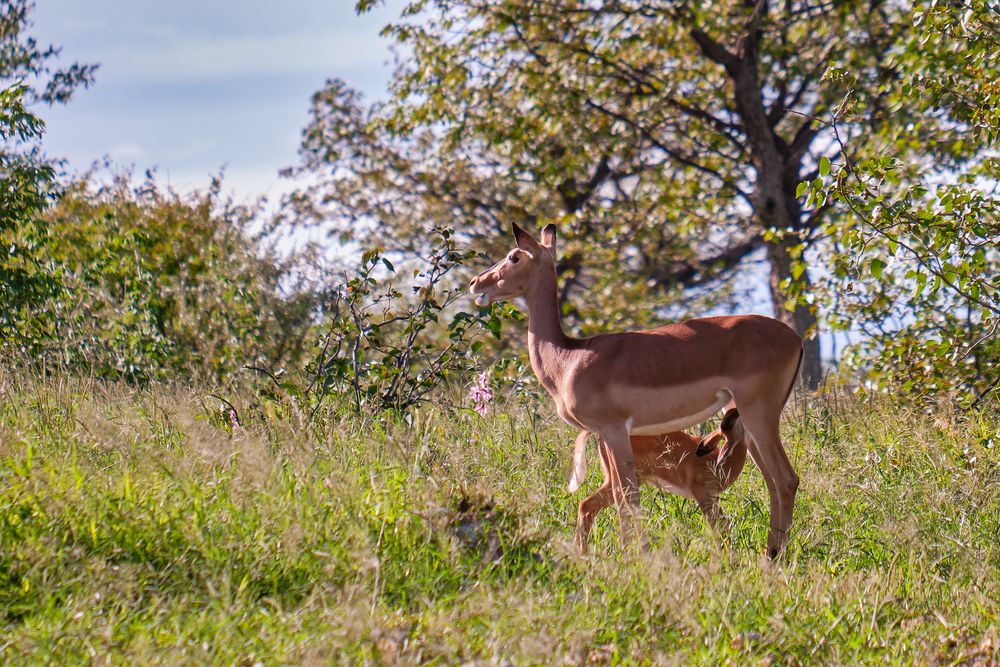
709	443
549	238
729	419
523	239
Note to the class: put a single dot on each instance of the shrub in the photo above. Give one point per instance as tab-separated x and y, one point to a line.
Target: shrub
388	349
150	284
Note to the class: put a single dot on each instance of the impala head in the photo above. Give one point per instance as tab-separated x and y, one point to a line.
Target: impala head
520	268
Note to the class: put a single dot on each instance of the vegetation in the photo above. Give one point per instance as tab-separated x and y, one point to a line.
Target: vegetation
920	250
147	284
389	350
666	138
28	77
211	453
146	526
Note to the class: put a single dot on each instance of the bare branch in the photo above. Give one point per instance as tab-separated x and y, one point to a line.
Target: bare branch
714	51
689	274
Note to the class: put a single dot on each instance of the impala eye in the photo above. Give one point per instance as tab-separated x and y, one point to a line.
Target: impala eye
514	259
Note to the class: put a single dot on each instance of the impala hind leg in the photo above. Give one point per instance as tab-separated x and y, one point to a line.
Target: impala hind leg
624	482
782	482
772	490
592	505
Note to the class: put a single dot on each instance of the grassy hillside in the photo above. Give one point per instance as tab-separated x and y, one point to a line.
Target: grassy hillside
136	526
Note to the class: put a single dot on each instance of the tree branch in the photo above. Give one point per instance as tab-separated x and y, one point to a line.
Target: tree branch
574	196
714	51
689	274
673	153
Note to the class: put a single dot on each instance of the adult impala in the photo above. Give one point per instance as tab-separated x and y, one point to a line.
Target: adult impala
654	381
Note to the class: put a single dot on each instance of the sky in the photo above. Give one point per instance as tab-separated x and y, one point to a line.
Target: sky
191	87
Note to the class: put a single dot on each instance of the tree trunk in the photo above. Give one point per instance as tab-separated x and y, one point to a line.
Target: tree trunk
777	208
777	166
801	318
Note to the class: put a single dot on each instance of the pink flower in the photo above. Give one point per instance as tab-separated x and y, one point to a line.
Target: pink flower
481	394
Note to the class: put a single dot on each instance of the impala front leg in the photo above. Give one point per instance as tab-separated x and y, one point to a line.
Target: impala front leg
624	482
592	505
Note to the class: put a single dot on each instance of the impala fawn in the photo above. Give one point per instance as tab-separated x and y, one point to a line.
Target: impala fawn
696	468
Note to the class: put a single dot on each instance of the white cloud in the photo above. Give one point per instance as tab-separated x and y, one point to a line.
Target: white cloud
191	85
204	58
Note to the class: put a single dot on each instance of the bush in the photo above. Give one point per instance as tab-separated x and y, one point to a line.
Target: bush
150	284
391	350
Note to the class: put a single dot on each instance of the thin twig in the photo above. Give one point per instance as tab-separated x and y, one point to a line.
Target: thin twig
983	339
984	393
236	414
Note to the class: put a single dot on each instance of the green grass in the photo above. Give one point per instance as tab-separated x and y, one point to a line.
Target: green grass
137	528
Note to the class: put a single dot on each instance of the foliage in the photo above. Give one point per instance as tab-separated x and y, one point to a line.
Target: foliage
666	139
23	60
27	77
152	285
919	244
133	529
390	350
24	191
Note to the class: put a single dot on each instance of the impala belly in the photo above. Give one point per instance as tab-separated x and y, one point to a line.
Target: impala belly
691	415
672	488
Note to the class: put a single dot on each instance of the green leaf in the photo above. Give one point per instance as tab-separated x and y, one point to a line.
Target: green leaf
877	266
801	189
493	326
824	166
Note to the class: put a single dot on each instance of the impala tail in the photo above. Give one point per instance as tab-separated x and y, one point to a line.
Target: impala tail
579	461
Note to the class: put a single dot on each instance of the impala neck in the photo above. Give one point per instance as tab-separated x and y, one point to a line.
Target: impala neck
546	340
544	324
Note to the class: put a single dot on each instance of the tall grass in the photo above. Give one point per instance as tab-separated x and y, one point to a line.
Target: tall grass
140	526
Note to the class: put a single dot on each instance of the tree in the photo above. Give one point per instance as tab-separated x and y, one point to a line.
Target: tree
28	77
669	139
921	238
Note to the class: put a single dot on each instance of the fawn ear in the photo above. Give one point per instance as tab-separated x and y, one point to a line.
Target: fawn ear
729	419
549	238
708	444
523	239
732	427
